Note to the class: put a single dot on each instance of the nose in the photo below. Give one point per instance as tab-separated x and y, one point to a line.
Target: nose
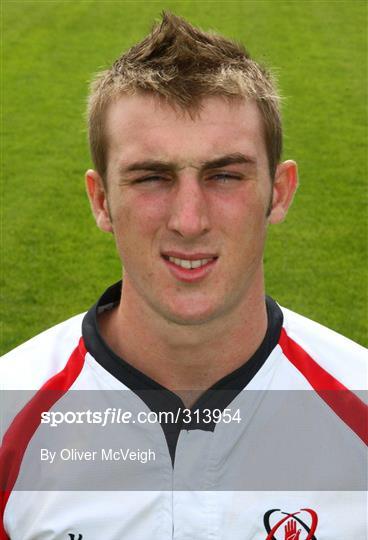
189	212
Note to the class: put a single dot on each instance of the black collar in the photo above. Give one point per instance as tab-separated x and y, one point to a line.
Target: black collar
159	398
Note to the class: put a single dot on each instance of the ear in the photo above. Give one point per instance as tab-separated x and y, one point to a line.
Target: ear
98	199
284	187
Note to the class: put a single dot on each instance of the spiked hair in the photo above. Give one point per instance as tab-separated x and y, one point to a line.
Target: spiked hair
183	65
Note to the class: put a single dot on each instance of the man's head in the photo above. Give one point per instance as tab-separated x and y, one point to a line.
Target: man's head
184	66
183	179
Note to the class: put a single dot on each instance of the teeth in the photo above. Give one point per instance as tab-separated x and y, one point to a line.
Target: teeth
184	263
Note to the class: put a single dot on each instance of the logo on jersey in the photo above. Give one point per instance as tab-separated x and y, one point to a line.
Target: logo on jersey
73	537
299	525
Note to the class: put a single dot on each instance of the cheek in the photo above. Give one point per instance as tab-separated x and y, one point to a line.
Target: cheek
243	212
245	229
136	219
151	207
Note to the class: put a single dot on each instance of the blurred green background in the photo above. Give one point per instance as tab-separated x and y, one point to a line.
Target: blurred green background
55	262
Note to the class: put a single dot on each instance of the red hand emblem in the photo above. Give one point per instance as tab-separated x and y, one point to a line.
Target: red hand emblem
290	530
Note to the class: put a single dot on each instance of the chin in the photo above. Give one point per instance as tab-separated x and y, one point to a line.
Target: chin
191	317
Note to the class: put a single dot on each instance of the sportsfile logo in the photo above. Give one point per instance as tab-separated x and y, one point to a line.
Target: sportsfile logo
299	525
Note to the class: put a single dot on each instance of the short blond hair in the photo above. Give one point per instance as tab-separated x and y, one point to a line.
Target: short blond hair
183	65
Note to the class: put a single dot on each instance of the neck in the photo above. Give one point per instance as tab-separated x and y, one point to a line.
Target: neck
186	359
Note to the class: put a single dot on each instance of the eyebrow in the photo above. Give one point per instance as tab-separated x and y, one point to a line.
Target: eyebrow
157	165
230	159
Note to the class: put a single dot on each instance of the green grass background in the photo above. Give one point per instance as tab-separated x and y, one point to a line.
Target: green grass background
55	263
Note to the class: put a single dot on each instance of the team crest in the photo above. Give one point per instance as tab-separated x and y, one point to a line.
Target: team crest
299	525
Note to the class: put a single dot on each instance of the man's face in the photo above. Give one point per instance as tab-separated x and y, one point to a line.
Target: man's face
188	201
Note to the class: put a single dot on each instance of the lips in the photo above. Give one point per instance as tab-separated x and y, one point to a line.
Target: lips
189	264
189	267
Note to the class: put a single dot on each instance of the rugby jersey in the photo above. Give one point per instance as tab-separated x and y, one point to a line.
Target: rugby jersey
275	449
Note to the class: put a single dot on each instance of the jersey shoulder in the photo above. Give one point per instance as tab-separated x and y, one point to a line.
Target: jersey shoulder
32	363
341	357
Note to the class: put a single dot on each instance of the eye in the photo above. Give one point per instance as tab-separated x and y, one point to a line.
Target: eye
152	178
224	177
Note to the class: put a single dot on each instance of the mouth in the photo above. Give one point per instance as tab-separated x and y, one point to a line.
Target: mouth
189	267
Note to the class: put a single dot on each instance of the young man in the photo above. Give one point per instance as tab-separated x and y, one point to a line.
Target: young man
258	424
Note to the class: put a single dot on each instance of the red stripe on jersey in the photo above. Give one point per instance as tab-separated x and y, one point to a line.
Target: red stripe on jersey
342	401
26	422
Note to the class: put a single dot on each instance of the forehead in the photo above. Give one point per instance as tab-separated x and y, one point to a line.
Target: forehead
143	126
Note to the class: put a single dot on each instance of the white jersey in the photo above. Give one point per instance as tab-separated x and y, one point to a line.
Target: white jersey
93	449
